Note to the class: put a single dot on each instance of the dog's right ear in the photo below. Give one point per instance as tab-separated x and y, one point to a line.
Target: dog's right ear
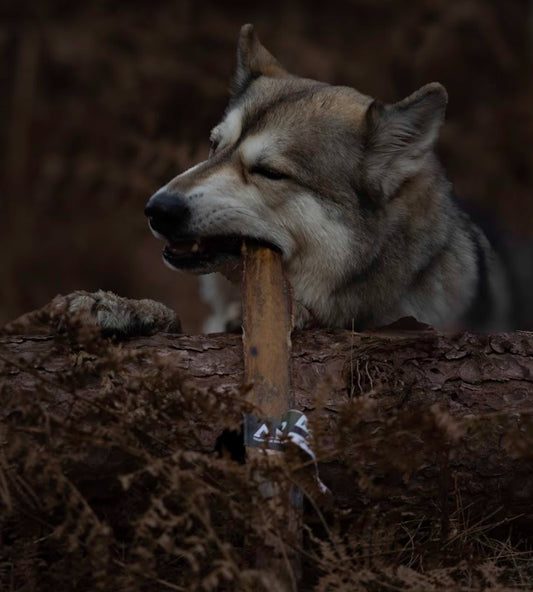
253	60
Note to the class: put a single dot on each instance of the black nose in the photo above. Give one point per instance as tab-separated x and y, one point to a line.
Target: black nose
168	214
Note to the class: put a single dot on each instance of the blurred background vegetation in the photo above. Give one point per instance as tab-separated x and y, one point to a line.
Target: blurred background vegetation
104	101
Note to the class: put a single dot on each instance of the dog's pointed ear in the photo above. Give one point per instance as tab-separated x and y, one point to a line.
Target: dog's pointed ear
399	136
253	60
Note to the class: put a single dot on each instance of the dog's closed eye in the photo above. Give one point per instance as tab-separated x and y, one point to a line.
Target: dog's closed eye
213	145
268	173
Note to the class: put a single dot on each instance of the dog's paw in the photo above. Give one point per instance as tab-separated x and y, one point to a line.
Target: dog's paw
116	315
106	311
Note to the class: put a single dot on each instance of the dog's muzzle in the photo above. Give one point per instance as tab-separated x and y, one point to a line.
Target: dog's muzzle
169	216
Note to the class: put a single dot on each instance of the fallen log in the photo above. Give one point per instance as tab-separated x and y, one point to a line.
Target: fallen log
455	408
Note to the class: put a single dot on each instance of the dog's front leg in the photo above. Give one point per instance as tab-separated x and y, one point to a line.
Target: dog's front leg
114	315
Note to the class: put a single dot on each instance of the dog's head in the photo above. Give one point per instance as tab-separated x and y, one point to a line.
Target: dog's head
297	164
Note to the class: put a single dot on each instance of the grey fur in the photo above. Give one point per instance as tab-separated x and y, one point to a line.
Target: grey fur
118	315
100	311
353	195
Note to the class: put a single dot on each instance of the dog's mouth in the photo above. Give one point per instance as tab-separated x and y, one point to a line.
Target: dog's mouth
206	254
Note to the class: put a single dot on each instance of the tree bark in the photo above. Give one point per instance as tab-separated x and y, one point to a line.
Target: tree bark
474	394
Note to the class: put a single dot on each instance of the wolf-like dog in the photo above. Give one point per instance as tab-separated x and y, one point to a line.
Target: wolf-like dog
349	190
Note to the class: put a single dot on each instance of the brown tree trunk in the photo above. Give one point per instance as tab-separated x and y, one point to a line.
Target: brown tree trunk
460	406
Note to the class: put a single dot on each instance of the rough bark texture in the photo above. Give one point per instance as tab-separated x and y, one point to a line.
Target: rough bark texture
469	376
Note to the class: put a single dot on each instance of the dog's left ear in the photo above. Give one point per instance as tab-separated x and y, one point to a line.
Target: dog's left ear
398	137
253	60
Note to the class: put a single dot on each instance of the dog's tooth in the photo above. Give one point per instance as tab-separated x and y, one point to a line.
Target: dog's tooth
195	248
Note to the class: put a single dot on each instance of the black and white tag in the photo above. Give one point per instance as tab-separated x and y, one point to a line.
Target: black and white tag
274	434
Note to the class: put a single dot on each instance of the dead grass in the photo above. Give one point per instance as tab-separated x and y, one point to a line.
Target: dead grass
106	483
